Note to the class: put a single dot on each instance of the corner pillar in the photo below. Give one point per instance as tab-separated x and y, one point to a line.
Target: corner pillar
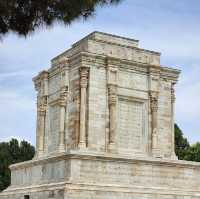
41	85
173	99
41	126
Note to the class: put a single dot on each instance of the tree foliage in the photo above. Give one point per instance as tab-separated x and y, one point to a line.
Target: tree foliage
10	153
183	149
24	16
181	143
193	154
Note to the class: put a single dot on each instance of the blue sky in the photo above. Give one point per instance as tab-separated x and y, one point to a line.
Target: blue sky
171	27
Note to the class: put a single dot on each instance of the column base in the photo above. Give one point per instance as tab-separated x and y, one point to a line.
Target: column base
174	156
38	154
111	147
61	148
156	153
81	145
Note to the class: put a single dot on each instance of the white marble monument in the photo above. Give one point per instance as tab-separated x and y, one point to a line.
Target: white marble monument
105	128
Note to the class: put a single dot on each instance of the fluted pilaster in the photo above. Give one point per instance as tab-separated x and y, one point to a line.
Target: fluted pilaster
154	112
83	86
112	101
62	104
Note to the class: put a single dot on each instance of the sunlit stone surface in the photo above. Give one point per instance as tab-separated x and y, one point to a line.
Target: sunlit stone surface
105	123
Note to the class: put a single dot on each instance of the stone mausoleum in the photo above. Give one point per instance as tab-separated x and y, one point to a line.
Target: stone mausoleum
105	128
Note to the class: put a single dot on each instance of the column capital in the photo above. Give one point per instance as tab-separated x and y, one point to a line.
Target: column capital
42	111
84	77
42	105
44	75
112	89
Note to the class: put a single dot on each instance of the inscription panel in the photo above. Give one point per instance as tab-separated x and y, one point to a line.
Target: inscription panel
134	173
130	124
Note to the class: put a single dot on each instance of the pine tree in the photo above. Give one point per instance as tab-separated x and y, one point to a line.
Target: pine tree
181	144
23	17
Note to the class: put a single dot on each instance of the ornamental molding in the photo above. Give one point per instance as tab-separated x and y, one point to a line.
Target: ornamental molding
170	74
84	72
42	105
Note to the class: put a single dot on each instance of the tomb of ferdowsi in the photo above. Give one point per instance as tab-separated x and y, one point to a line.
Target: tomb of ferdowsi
105	128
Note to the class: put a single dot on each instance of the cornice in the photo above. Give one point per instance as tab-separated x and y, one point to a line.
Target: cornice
58	69
43	75
130	47
83	58
106	157
90	37
92	58
170	73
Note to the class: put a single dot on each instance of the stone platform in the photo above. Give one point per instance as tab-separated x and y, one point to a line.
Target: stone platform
102	176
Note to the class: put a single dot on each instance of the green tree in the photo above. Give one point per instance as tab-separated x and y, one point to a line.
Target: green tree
182	145
10	153
27	151
193	153
23	16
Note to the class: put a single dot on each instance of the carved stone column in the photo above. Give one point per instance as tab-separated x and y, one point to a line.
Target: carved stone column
77	123
62	103
173	98
83	104
41	124
112	102
154	112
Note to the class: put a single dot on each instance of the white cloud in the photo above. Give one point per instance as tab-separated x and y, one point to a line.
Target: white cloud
188	103
188	97
16	74
17	118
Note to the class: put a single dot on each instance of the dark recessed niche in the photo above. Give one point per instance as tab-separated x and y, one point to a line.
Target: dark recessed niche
26	197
